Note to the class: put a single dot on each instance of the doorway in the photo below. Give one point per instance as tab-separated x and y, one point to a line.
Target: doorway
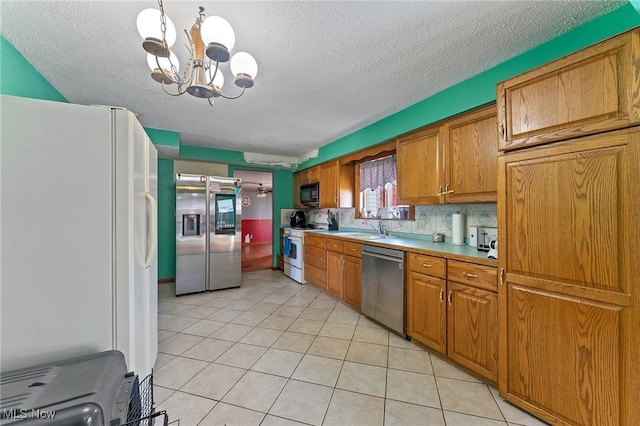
257	219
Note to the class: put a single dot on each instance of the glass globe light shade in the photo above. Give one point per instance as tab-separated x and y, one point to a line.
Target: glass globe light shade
243	63
148	23
164	62
219	80
215	29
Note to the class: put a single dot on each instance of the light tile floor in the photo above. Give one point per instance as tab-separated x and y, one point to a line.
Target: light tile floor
274	352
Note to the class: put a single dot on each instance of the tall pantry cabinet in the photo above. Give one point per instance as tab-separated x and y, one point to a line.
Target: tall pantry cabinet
568	212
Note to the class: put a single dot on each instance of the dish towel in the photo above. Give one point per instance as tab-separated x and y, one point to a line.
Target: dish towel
287	246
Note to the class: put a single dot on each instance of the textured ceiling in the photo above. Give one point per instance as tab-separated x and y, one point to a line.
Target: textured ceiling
326	69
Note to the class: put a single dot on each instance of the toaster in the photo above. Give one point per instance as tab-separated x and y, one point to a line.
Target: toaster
487	236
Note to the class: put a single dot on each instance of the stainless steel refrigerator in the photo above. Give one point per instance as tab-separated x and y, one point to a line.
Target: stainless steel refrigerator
208	233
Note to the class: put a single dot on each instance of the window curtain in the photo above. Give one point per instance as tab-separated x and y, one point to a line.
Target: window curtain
377	172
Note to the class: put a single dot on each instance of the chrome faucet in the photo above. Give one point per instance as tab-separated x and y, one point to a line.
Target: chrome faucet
366	222
381	229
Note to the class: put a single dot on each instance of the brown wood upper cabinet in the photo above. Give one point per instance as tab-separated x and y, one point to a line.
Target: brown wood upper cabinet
593	90
451	162
309	175
303	177
298	178
419	166
336	182
471	153
328	177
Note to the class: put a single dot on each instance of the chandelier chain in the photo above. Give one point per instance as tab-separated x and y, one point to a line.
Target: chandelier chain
163	29
163	24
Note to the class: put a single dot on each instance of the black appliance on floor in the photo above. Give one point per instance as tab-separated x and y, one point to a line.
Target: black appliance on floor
93	390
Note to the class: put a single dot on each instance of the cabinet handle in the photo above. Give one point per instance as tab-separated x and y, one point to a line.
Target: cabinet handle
449	298
468	275
441	295
440	191
426	265
501	131
501	276
352	249
446	191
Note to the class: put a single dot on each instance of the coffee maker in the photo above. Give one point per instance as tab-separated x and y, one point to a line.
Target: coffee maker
298	219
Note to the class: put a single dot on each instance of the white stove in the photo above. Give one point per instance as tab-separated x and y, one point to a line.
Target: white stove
293	247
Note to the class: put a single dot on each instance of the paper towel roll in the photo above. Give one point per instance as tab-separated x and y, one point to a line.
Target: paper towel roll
458	229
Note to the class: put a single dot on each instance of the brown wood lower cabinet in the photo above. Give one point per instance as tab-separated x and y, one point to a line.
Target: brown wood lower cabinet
315	260
426	311
335	273
457	317
472	332
344	271
352	280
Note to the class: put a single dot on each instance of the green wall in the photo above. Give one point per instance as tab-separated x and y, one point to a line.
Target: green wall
19	78
166	205
163	137
166	220
481	88
211	154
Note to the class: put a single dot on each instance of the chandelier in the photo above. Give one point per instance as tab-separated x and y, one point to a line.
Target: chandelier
209	42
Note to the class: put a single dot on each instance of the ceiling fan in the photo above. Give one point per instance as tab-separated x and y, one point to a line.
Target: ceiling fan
261	190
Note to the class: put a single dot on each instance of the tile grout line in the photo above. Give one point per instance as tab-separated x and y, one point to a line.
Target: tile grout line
336	308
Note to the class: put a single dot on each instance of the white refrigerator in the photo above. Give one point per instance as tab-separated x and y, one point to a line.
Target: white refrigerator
78	234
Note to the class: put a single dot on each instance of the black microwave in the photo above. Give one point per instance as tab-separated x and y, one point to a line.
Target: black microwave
310	194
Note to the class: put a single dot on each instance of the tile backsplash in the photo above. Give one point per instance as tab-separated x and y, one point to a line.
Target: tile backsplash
428	219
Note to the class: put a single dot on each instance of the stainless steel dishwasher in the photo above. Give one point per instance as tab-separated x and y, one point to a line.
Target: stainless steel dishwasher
383	286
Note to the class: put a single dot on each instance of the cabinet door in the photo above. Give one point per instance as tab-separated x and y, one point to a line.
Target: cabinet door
328	176
568	267
334	274
426	311
298	179
472	335
312	175
352	281
316	276
419	167
471	157
591	91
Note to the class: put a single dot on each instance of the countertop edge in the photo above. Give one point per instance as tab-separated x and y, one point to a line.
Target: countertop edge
445	250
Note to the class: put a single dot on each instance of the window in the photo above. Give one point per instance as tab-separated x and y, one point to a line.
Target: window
378	188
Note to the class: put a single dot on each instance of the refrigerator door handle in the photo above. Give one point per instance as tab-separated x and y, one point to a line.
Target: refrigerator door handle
153	211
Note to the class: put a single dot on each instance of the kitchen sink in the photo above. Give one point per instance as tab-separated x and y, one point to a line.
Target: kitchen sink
361	235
